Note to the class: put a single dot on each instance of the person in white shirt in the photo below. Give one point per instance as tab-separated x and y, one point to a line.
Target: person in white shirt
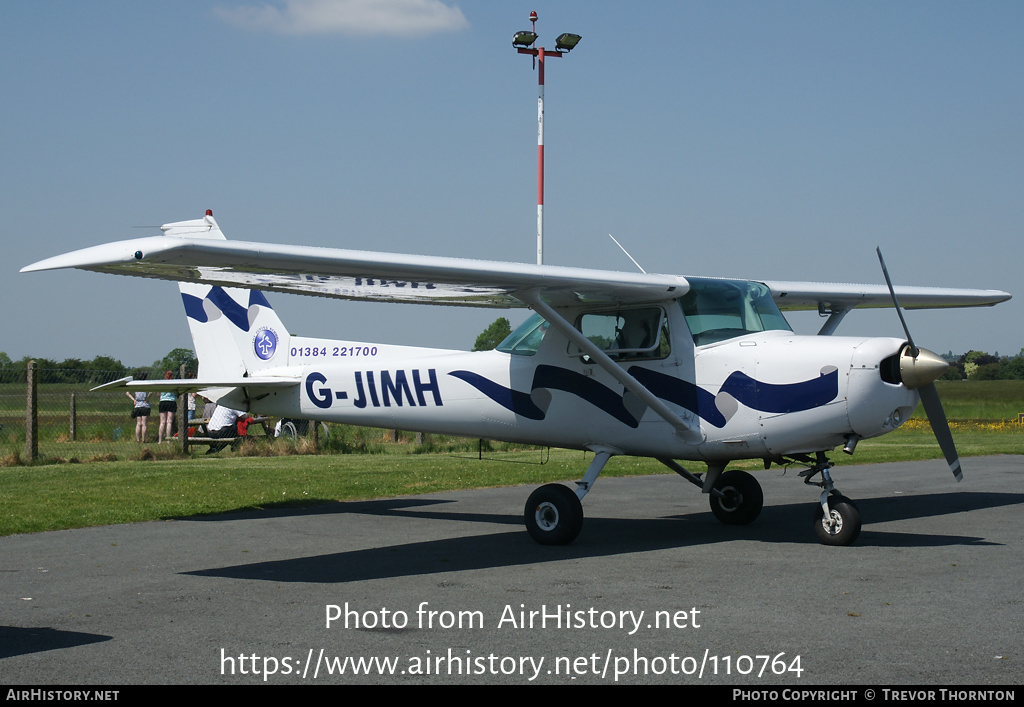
223	423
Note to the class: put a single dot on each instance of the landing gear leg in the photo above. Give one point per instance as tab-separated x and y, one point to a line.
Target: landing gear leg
736	496
836	518
554	513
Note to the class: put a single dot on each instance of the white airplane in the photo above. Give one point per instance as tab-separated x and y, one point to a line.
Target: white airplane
662	366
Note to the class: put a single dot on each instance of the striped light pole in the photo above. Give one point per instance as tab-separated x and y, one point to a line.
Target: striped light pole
524	42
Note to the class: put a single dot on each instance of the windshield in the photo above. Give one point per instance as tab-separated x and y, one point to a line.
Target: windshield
717	310
525	340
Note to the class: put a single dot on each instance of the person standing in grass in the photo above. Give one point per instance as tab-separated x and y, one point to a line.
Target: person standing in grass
168	406
140	412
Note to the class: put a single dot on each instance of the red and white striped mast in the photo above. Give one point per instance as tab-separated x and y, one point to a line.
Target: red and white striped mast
523	41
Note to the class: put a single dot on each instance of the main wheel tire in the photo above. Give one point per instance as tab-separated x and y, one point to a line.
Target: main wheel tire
741	501
845	529
553	515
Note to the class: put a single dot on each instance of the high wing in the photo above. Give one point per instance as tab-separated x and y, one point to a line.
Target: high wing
363	275
197	251
843	296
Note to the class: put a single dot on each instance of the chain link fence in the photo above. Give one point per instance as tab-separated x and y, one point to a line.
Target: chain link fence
74	422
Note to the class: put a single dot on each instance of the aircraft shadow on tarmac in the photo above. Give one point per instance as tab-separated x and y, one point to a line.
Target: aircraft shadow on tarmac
600	537
15	640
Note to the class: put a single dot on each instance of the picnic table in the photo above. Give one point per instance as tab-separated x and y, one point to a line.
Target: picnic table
199	432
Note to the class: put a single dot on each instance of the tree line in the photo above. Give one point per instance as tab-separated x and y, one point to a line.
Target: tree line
973	365
100	369
978	365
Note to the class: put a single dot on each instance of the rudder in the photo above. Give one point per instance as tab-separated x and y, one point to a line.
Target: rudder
235	331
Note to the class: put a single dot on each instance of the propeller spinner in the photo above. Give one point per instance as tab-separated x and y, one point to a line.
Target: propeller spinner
919	369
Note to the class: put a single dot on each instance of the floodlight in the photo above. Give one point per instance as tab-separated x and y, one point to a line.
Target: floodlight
524	38
566	41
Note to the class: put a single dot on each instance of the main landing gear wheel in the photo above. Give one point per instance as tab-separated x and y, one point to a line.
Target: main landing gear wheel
554	515
845	525
741	498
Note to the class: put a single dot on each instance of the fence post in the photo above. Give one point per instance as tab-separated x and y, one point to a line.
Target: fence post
32	413
74	419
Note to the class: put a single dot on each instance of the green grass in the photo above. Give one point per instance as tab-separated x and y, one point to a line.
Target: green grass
980	400
361	465
76	495
57	496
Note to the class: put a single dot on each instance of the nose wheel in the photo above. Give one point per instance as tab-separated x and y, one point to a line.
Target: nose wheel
837	520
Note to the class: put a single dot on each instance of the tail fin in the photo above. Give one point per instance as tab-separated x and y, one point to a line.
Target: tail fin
235	331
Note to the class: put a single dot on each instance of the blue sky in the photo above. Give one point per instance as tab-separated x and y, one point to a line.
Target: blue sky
772	140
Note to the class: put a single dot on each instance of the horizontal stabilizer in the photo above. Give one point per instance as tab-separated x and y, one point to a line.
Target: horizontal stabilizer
192	385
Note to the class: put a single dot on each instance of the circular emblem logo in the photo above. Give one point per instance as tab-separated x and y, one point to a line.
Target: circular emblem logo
265	344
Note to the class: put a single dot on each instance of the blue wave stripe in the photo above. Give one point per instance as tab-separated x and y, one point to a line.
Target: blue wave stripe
551	377
597	394
257	297
680	392
764	397
512	400
236	313
786	397
194	308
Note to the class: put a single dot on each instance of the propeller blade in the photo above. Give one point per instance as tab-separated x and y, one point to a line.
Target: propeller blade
896	303
931	368
937	419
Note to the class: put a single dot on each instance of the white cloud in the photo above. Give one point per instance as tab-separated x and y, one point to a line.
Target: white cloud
404	18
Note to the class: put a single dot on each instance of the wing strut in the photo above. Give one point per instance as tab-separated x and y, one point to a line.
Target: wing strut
684	429
835	316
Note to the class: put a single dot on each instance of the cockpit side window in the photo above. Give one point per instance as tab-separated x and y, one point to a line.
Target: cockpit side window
628	334
526	339
717	310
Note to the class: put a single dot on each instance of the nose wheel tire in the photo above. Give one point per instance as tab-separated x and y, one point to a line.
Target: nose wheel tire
741	498
845	522
553	515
